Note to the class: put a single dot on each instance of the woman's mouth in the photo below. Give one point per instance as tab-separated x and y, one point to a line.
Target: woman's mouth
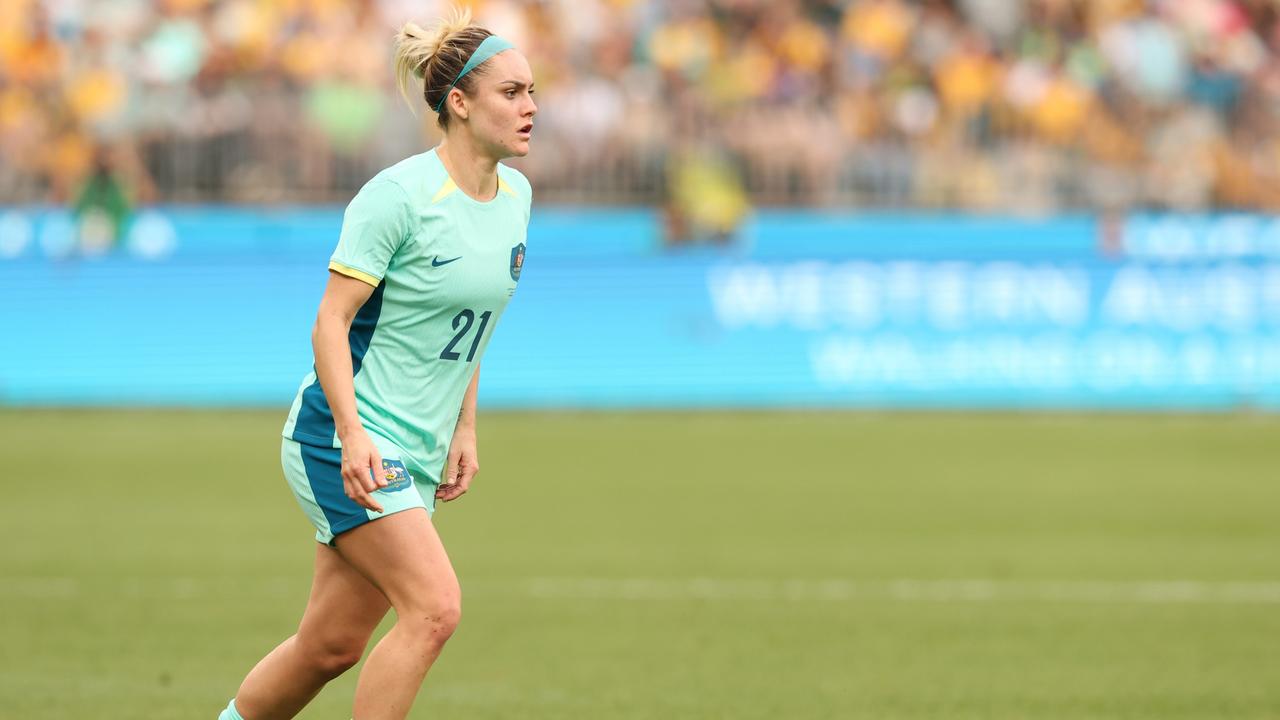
525	131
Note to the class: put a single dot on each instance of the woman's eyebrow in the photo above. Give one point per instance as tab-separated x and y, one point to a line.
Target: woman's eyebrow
516	83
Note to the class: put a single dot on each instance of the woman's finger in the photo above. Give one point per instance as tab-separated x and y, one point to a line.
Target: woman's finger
451	492
452	467
365	500
379	475
367	474
355	490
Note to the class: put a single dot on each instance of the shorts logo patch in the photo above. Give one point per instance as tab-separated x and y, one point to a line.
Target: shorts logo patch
517	261
396	475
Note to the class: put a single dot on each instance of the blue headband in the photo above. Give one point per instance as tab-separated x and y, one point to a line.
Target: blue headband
491	46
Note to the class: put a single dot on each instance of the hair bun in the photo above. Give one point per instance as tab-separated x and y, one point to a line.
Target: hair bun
415	46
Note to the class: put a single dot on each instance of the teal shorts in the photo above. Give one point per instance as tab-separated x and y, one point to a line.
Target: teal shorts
315	476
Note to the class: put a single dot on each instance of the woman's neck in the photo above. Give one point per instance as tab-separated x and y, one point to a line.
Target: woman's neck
473	172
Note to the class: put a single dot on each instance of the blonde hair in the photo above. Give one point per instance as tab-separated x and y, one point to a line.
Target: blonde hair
433	58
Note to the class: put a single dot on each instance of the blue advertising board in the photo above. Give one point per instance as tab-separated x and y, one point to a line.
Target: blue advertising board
214	307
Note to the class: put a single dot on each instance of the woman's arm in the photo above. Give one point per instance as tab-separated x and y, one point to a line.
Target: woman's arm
463	463
467	416
361	462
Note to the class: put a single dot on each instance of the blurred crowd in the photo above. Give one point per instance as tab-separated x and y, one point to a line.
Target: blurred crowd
708	106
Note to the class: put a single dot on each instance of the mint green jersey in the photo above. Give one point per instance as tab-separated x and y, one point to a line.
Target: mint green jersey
443	266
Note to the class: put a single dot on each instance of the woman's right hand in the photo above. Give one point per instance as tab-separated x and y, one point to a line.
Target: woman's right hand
361	469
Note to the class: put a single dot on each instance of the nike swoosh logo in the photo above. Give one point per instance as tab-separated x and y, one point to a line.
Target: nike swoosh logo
435	261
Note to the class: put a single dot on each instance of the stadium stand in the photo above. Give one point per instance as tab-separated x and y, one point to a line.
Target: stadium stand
981	105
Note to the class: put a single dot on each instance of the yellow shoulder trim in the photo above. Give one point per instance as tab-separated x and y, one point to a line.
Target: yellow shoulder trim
448	187
504	187
351	272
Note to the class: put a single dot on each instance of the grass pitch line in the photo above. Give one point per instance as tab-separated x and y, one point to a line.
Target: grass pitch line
945	591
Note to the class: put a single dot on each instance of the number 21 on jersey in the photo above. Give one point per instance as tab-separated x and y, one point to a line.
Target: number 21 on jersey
462	324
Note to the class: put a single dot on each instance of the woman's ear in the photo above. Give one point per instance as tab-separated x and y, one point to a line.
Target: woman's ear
458	108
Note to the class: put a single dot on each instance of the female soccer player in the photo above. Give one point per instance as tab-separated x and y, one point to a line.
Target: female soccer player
430	252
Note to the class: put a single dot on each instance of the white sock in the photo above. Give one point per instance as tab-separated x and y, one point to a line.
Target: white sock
230	713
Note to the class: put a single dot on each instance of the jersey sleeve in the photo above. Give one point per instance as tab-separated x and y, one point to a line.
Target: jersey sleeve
374	227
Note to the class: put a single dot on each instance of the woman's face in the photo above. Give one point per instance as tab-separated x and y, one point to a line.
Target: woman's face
501	108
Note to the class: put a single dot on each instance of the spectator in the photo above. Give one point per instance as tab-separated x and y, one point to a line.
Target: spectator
101	206
980	104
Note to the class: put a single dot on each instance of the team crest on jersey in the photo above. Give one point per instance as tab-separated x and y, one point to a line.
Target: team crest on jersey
396	475
517	261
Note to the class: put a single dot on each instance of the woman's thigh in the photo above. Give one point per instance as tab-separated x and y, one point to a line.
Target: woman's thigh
344	607
402	556
314	475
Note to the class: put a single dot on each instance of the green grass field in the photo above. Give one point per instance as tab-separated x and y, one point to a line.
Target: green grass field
716	565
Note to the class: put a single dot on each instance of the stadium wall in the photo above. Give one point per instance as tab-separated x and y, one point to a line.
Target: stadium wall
213	307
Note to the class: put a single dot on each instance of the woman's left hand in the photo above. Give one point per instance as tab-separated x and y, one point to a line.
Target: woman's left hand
462	465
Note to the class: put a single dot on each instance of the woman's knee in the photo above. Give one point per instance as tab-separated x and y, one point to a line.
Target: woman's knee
433	621
332	656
